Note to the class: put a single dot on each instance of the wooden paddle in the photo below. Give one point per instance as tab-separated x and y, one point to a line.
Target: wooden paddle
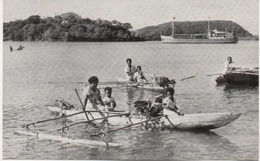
83	108
214	74
193	76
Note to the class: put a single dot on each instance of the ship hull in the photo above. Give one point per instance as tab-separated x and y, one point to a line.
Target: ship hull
171	40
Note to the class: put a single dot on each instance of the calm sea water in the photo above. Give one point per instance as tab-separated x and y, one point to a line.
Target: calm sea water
43	72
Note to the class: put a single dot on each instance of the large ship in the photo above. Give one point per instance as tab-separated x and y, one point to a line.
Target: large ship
211	37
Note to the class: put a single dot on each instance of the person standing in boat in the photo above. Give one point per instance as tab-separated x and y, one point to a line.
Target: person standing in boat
169	102
91	95
139	75
229	66
130	70
108	100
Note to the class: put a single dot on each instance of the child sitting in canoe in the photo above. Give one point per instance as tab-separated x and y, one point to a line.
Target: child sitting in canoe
169	102
108	100
139	75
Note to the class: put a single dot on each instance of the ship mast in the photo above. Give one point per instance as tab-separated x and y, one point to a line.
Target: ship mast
173	27
208	28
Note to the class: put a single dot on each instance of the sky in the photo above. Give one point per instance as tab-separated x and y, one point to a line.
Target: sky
140	13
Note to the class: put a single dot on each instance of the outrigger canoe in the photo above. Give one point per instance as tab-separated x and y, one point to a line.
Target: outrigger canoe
206	121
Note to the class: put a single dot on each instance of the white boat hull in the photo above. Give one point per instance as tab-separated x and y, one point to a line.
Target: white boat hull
205	121
171	40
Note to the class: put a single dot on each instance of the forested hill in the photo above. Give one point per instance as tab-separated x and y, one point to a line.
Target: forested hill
67	27
152	33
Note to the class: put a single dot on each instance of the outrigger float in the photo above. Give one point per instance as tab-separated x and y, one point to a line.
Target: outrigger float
67	139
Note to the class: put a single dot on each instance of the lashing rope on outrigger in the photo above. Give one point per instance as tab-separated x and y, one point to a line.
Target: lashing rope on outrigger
134	124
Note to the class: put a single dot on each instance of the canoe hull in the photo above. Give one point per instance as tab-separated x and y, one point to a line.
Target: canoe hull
146	86
187	122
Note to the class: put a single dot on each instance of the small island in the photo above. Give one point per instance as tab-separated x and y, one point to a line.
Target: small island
70	27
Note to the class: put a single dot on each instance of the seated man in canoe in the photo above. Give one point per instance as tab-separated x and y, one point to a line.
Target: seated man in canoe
129	70
229	65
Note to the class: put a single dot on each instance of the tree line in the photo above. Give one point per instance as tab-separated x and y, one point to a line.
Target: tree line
68	27
71	27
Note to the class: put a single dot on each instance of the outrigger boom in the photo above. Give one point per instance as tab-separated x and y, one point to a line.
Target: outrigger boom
68	139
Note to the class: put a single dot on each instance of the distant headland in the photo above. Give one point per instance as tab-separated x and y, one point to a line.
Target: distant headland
71	27
152	33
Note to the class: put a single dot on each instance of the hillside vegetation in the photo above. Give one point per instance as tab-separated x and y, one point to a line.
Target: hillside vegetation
71	27
67	27
152	33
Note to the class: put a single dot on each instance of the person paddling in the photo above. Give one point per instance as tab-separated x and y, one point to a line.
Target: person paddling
129	70
169	102
91	95
139	75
